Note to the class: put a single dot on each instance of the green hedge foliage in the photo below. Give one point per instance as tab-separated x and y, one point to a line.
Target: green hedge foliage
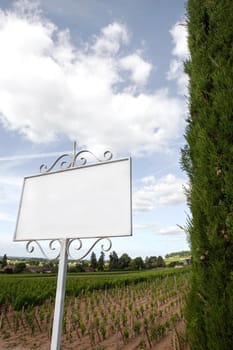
208	161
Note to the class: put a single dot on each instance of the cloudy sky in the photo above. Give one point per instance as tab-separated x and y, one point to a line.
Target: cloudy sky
108	74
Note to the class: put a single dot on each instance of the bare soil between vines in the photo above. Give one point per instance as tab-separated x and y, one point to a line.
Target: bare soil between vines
147	315
22	340
42	342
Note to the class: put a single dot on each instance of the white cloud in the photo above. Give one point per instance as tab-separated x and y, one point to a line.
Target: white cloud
154	193
110	39
9	189
171	230
6	217
180	39
13	248
140	69
180	52
144	226
157	229
50	87
150	179
31	156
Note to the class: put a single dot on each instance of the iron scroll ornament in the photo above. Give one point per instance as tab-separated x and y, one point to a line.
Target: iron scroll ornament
73	160
30	247
90	249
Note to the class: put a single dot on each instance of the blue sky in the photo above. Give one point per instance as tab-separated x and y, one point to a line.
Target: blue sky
108	74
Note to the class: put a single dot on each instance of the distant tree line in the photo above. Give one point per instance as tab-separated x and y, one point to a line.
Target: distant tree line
112	263
125	262
116	263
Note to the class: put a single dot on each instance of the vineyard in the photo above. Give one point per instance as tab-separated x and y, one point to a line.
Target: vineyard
117	311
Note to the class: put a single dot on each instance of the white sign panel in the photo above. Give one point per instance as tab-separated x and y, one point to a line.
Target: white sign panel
84	202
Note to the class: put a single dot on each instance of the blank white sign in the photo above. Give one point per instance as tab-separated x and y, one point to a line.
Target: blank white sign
85	202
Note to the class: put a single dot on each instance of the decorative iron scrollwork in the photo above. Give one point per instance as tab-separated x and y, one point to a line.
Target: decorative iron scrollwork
30	247
74	160
45	169
103	248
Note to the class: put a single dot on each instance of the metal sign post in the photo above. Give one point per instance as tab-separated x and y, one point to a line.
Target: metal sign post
60	297
56	202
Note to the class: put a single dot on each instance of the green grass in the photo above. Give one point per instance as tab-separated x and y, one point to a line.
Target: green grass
177	258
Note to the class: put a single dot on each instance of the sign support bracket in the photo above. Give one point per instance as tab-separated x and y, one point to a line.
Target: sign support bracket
60	297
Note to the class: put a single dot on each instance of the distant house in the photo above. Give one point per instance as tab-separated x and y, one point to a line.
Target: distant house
187	261
88	269
40	269
9	269
34	269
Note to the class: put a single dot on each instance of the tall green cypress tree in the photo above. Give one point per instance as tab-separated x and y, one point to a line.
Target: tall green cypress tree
208	160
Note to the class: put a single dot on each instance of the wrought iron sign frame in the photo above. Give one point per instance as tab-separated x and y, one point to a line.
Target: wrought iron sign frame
64	245
74	160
